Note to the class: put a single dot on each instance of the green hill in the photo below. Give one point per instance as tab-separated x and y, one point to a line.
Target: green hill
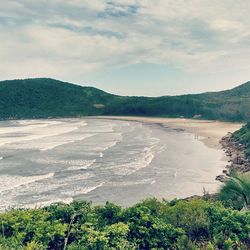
47	98
44	97
243	136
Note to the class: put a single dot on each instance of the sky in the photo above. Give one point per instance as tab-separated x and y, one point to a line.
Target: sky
128	47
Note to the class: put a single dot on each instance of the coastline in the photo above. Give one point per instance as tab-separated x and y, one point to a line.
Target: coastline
214	134
210	132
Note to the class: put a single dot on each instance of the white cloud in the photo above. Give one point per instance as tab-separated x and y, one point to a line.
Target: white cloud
61	38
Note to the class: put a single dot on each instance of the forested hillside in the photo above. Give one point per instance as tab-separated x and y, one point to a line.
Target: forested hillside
47	97
43	97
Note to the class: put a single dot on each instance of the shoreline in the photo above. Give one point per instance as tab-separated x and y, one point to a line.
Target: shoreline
210	132
214	134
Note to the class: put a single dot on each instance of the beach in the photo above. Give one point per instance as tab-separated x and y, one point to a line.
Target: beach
208	131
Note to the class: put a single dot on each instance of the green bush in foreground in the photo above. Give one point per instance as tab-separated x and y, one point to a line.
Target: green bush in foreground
236	191
151	224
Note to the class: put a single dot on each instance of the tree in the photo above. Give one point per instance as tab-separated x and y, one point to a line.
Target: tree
239	185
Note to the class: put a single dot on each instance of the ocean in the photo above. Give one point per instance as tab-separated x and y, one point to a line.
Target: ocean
99	160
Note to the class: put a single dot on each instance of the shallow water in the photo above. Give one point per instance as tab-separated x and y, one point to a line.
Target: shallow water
45	161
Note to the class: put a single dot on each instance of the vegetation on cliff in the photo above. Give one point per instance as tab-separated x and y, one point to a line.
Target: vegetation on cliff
44	97
243	136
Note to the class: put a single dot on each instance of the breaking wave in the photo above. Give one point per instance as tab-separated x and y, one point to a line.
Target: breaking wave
8	182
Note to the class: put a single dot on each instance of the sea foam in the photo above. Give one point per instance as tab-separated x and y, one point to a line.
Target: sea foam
80	165
8	182
51	145
29	134
40	204
141	161
83	190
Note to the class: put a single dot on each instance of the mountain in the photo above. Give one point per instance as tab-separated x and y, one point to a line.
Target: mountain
45	97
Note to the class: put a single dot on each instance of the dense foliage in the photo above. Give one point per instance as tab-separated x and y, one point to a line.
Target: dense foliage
243	135
42	98
235	192
151	224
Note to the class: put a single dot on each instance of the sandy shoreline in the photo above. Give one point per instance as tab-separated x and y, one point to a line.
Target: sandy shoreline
209	132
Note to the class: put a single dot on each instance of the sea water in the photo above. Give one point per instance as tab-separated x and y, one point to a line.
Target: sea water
47	161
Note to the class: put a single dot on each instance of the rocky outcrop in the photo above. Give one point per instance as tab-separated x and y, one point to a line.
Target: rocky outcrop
238	160
221	178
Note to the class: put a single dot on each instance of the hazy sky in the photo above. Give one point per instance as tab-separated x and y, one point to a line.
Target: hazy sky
129	47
